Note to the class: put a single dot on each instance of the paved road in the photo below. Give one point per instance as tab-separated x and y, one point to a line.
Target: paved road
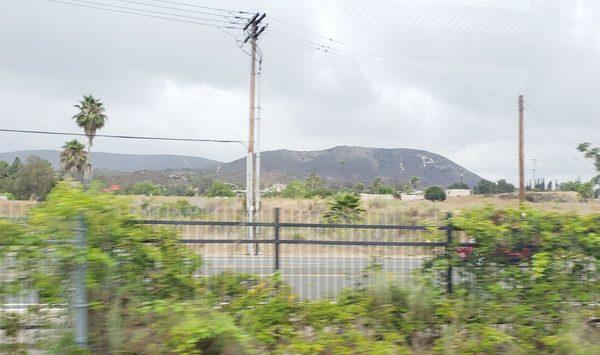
314	277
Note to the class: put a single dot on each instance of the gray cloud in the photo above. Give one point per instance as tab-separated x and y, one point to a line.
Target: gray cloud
166	78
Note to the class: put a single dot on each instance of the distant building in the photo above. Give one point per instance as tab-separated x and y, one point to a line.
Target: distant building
458	193
276	188
376	197
414	196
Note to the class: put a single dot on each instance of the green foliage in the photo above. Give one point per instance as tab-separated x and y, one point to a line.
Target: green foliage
90	116
220	189
485	187
585	190
378	187
146	188
295	189
345	208
414	182
74	159
316	187
31	180
124	269
435	193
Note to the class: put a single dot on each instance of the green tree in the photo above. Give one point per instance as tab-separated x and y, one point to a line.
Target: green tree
295	189
585	191
147	188
485	187
345	208
313	183
14	167
34	179
594	155
4	169
435	193
503	187
414	182
74	159
220	189
91	117
378	187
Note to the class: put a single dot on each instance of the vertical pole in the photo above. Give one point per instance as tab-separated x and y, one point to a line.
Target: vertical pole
521	152
276	245
250	166
449	251
80	296
257	154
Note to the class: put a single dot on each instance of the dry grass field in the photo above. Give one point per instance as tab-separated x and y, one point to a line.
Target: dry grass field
310	211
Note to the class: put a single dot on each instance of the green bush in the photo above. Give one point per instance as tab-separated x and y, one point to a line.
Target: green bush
220	189
344	208
435	193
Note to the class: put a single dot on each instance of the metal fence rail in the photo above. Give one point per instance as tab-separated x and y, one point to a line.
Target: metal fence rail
318	260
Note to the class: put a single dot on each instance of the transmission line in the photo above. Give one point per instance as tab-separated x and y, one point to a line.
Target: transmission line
554	134
183	10
143	15
151	11
27	131
203	7
390	67
382	58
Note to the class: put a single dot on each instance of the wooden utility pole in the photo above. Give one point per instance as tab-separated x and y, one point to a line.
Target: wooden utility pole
521	152
252	33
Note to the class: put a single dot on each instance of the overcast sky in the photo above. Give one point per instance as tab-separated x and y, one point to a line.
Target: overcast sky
439	75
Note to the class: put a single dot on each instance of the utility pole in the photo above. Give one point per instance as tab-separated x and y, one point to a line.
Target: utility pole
521	152
252	33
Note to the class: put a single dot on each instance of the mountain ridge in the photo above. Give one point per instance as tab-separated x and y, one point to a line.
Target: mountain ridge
335	165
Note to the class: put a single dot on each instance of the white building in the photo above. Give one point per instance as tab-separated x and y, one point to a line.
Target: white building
376	197
417	195
458	192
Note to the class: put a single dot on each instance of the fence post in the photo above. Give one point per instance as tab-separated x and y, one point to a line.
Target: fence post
449	251
276	242
80	297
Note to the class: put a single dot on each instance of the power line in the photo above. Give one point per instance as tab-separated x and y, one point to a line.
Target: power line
143	15
151	12
382	58
390	67
551	132
203	7
183	10
26	131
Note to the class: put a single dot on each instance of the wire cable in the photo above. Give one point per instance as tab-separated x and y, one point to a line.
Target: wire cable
204	7
554	134
183	10
28	131
373	54
143	15
151	12
344	54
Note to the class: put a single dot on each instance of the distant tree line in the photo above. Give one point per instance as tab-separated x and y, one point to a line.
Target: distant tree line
31	180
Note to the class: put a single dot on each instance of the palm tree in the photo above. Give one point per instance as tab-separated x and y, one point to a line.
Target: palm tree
91	117
74	159
414	181
345	208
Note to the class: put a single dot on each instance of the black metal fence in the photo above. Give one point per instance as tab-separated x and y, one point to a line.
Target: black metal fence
322	264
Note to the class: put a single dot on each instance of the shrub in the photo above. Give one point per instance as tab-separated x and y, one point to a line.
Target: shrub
295	189
345	208
435	193
220	189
